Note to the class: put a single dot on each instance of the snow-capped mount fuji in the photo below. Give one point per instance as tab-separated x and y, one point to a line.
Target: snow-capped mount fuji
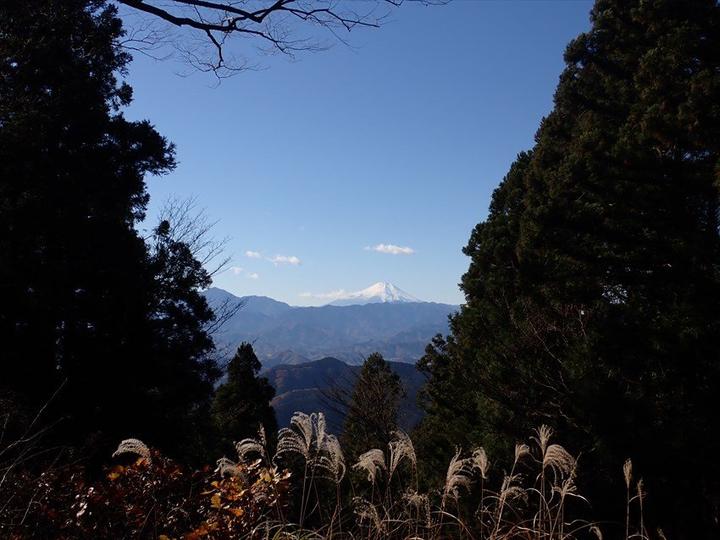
381	292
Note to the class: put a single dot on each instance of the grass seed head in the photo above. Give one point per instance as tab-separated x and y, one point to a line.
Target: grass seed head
133	446
372	462
627	472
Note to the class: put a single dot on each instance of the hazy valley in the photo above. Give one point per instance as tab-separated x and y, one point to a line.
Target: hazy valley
314	387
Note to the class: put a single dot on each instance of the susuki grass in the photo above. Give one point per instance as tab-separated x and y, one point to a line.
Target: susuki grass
304	490
534	503
387	503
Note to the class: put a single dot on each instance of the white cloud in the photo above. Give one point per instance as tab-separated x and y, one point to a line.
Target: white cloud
253	254
277	260
391	249
332	295
236	270
253	275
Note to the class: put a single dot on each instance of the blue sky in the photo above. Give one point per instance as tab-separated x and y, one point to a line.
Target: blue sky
397	141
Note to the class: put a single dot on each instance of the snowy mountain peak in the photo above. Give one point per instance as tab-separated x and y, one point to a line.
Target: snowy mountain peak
387	292
380	292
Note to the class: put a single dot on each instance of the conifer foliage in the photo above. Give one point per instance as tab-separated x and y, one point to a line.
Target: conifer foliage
242	403
373	407
108	321
594	282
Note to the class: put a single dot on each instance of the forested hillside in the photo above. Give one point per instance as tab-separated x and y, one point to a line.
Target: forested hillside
400	331
313	387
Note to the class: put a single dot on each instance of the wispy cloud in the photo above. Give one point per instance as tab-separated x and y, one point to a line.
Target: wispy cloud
277	260
332	295
240	271
391	249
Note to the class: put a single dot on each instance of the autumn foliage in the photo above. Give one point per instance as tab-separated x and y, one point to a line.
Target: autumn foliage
146	496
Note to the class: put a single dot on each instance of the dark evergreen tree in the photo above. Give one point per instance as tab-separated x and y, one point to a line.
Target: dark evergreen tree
242	403
89	307
594	282
373	408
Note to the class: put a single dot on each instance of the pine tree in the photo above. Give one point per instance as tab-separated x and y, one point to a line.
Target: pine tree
242	403
594	282
90	309
373	408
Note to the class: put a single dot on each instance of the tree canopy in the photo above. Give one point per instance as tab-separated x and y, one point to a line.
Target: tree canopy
242	404
593	285
373	407
111	322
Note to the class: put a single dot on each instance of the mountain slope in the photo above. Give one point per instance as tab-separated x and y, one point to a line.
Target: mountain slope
398	330
307	388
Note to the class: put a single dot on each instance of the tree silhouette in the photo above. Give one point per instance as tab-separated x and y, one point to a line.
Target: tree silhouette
242	403
89	306
593	286
373	407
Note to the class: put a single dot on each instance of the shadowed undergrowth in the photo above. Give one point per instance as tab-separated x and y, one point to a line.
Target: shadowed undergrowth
305	489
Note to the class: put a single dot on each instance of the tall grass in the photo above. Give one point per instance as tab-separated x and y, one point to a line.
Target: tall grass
531	501
305	489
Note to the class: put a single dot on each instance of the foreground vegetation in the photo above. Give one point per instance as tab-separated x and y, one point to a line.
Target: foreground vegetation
591	306
307	490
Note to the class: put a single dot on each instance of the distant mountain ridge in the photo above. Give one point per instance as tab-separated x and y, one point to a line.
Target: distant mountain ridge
306	388
280	333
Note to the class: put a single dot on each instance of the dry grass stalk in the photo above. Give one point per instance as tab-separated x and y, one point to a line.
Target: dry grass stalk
459	475
227	467
480	462
298	437
332	460
372	462
133	446
503	514
521	450
542	437
247	447
367	512
559	460
401	447
627	473
306	437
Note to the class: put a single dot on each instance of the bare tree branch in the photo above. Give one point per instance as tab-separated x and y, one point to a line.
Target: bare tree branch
190	225
271	23
224	311
145	36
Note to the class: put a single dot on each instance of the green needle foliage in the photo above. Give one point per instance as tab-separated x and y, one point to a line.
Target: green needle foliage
373	407
242	403
594	283
110	322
